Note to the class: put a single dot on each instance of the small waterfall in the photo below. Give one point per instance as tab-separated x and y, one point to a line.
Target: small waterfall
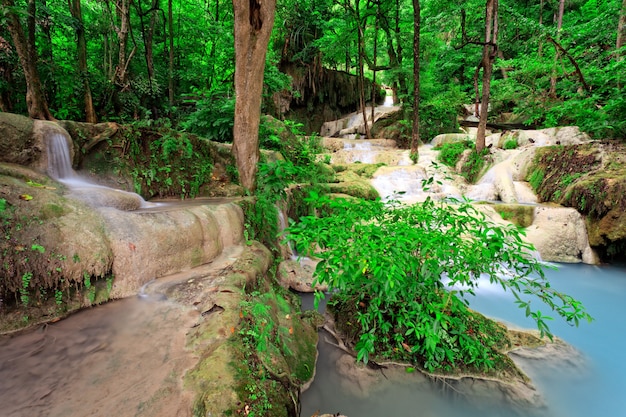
59	160
60	168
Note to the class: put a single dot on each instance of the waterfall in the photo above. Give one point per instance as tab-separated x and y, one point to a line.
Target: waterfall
59	160
60	168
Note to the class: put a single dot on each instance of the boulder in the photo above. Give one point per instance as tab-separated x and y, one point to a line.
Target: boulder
17	144
560	235
298	275
150	244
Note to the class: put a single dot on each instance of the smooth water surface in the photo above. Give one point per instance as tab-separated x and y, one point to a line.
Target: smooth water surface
124	359
591	387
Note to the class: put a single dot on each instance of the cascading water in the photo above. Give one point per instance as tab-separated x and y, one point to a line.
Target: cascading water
59	160
60	168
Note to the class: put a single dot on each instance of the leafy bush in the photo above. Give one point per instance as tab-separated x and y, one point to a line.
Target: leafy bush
510	144
474	165
450	153
404	273
213	118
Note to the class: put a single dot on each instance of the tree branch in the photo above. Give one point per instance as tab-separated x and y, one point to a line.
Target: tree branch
572	60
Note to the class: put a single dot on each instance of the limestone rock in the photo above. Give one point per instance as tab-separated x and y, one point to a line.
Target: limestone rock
560	235
149	245
298	275
17	145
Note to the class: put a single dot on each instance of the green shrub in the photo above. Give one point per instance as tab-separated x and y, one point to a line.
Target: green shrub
450	153
510	144
391	270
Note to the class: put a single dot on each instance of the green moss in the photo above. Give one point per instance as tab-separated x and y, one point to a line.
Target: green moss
52	210
520	215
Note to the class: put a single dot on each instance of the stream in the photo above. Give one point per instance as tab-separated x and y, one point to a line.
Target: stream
127	358
589	385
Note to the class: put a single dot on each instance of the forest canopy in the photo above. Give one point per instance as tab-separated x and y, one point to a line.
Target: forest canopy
556	62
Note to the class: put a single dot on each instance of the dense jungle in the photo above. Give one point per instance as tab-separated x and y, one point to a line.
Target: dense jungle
219	128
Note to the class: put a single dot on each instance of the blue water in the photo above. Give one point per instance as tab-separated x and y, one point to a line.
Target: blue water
594	386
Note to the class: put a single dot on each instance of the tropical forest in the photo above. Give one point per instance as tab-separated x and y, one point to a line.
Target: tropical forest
312	208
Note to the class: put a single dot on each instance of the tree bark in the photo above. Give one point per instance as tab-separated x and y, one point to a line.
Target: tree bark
489	54
621	31
361	50
122	9
253	22
170	29
27	54
415	137
81	48
557	52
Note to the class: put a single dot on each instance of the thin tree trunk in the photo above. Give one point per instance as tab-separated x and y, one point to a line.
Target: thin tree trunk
489	52
47	55
361	49
26	52
122	10
621	31
373	95
170	29
415	137
81	48
401	77
557	53
253	22
540	47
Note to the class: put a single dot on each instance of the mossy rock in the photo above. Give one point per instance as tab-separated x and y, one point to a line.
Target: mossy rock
518	214
591	178
349	182
17	140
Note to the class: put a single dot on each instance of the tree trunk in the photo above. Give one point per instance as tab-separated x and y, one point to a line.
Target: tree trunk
81	48
253	21
540	47
170	29
557	53
415	137
122	8
26	52
361	50
621	31
47	56
401	77
489	53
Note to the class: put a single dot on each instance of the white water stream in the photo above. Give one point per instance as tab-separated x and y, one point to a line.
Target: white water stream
60	168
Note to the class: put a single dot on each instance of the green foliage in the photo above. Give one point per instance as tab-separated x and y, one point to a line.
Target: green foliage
510	144
536	178
404	274
450	153
213	117
173	163
473	167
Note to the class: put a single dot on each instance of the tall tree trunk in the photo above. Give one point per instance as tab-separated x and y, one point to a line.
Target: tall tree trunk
557	53
26	52
81	48
170	75
373	93
253	22
415	136
621	31
122	9
50	85
540	47
361	79
489	54
401	77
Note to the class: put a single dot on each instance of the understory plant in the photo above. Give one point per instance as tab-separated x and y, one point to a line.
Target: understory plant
404	274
